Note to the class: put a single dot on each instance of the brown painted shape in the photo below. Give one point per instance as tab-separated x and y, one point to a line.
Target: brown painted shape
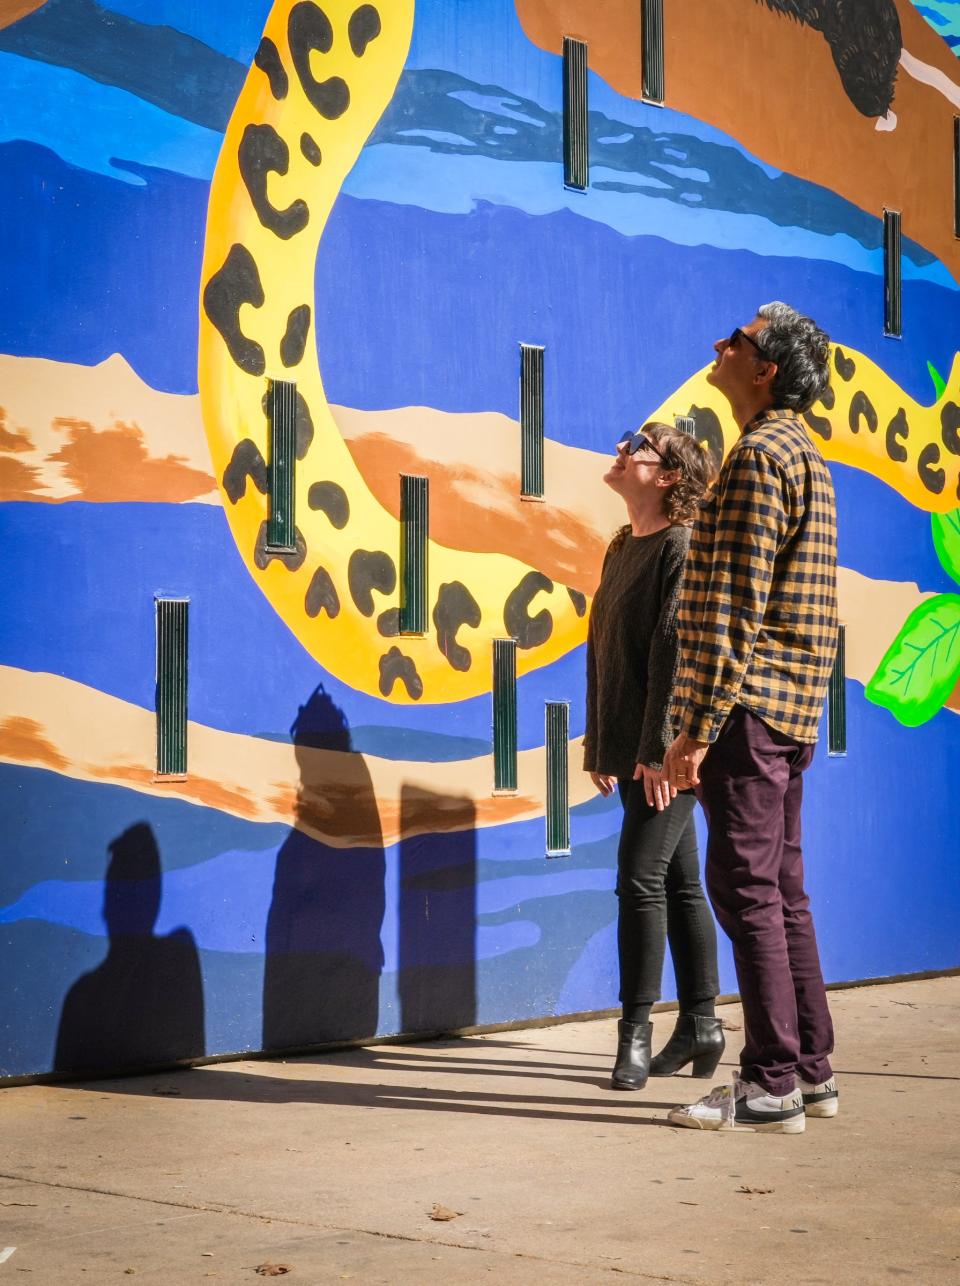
19	481
23	741
15	439
213	794
12	11
771	84
114	465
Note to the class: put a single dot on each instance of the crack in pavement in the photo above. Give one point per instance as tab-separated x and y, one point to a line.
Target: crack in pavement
200	1208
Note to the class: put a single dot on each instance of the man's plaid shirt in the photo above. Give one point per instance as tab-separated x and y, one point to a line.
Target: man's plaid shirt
758	610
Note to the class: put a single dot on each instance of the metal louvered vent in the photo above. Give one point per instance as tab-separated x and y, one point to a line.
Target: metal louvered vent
576	138
504	714
837	699
558	792
414	526
686	424
531	421
892	316
956	176
652	51
171	688
281	529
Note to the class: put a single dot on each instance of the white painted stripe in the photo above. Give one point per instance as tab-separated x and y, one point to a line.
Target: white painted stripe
6	1253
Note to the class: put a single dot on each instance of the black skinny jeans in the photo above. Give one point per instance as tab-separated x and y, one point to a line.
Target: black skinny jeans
658	885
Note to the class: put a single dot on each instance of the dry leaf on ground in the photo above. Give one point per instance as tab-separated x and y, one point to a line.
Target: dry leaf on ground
745	1188
273	1270
442	1214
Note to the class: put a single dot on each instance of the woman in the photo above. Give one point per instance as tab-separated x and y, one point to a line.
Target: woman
632	657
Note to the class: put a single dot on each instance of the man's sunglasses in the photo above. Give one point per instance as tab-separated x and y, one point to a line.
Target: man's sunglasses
739	333
634	442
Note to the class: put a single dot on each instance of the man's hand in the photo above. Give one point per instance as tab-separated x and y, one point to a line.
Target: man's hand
603	782
681	763
658	793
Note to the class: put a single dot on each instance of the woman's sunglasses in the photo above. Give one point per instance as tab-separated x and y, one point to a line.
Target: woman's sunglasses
634	442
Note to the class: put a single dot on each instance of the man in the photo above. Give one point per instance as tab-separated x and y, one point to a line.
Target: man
758	630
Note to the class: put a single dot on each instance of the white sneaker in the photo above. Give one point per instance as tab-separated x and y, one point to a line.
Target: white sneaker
743	1106
822	1099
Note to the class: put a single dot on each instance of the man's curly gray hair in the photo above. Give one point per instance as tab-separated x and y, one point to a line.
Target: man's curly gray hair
801	351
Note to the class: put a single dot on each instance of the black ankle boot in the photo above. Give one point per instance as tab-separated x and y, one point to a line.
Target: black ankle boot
632	1067
695	1040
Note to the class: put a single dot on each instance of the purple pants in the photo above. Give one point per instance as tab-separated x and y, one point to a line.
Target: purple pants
751	789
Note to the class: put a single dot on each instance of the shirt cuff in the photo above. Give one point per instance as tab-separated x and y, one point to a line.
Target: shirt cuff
702	725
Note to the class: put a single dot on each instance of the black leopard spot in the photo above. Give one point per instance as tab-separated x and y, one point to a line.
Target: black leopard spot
370	570
331	499
708	432
455	606
932	478
828	398
292	559
246	462
304	427
528	631
862	408
310	149
846	366
322	595
267	59
578	600
364	27
388	623
309	29
236	283
896	429
394	665
262	151
295	337
950	427
820	425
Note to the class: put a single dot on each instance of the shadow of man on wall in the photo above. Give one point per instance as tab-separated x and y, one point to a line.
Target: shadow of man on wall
324	955
438	912
143	1006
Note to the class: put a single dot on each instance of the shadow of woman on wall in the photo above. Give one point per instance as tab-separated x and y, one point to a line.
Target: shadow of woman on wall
143	1006
324	955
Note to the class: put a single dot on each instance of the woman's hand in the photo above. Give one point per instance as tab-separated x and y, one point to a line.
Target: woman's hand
659	793
603	782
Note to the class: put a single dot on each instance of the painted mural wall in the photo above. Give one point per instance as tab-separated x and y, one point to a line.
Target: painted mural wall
368	200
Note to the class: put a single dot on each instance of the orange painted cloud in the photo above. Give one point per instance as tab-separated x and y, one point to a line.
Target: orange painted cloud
114	465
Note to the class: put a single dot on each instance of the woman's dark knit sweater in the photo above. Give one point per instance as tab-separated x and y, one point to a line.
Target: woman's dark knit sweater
632	653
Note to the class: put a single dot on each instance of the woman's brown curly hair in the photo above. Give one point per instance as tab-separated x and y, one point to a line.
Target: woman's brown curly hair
680	451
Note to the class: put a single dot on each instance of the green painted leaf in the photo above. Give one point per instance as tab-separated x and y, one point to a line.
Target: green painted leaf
946	540
922	665
939	383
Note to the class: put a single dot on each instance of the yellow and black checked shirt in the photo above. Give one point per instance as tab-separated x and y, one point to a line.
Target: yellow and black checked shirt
757	616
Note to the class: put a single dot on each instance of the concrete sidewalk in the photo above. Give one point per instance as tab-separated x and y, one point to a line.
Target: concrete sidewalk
333	1164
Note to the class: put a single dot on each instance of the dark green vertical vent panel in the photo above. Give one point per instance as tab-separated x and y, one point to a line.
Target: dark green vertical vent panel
837	699
531	421
171	693
653	82
558	790
505	714
892	317
414	525
281	531
686	424
956	176
576	139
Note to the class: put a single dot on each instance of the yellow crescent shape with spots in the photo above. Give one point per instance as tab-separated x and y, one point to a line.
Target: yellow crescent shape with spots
322	77
865	420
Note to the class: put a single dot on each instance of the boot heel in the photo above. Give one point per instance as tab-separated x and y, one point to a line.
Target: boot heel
705	1065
